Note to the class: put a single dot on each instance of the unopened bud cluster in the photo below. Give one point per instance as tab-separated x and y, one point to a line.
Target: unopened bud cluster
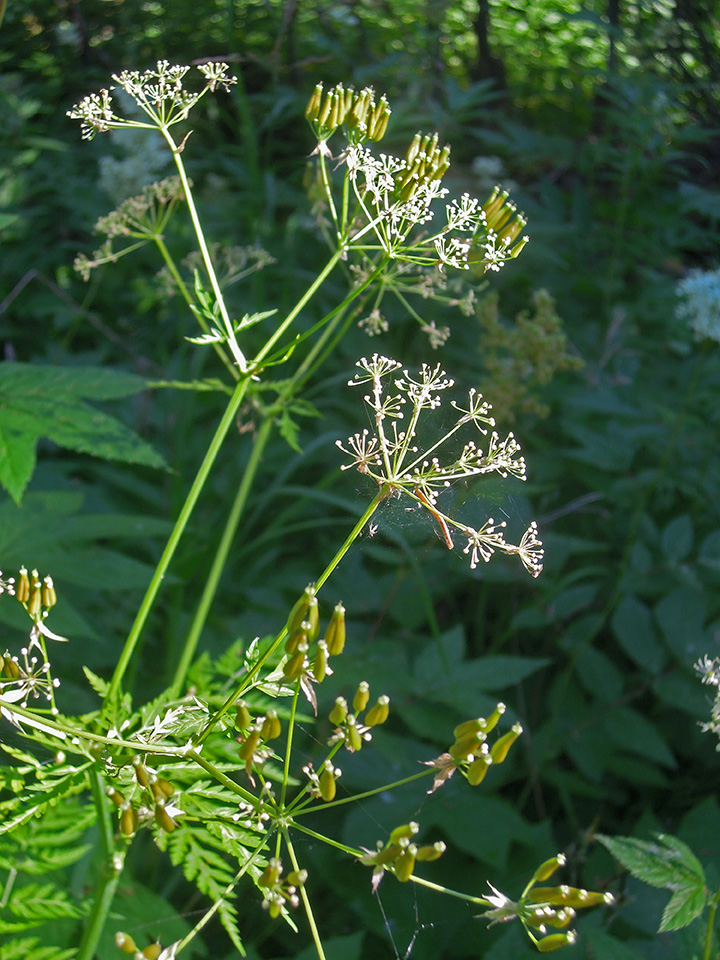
37	596
308	653
400	854
157	793
350	730
545	912
280	891
254	734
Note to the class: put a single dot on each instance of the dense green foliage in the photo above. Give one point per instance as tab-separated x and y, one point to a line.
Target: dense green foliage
604	118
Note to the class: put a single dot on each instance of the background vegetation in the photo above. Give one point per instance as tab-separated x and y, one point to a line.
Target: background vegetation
605	117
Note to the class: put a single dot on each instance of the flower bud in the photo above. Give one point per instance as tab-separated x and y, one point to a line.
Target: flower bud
271	728
163	818
247	747
297	878
271	874
339	712
430	852
335	633
152	951
117	798
22	589
143	777
379	712
125	942
548	868
162	789
10	666
362	695
327	781
501	747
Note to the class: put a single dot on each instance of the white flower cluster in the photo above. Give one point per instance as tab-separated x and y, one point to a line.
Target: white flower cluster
700	303
709	670
394	460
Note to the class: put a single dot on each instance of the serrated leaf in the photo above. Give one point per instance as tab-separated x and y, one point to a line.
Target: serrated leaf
38	903
48	401
665	862
99	685
685	906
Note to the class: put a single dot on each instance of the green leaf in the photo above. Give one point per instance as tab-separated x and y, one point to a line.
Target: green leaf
632	625
666	863
29	948
48	401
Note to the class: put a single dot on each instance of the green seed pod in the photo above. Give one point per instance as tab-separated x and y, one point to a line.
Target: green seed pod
243	718
492	721
117	798
519	246
297	614
297	878
125	942
379	712
312	618
49	597
274	908
405	831
565	896
34	605
335	633
313	107
324	111
320	663
162	789
247	747
413	149
431	852
469	726
296	638
362	695
353	739
405	864
339	711
380	128
477	770
327	782
295	666
10	666
143	777
501	747
163	818
556	941
562	918
467	745
152	951
22	588
271	728
128	821
548	868
271	874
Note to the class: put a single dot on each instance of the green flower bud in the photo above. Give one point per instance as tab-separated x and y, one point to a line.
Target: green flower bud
271	874
477	770
162	789
163	818
501	747
271	728
117	798
128	821
10	666
152	951
548	868
431	852
335	633
379	712
141	773
339	712
362	695
297	878
247	747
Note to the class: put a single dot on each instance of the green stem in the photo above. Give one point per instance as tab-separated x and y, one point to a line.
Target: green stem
288	747
218	564
187	509
362	796
221	777
110	872
480	901
710	927
328	840
305	899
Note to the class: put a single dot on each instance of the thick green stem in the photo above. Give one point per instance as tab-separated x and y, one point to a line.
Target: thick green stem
110	872
218	564
187	509
710	929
